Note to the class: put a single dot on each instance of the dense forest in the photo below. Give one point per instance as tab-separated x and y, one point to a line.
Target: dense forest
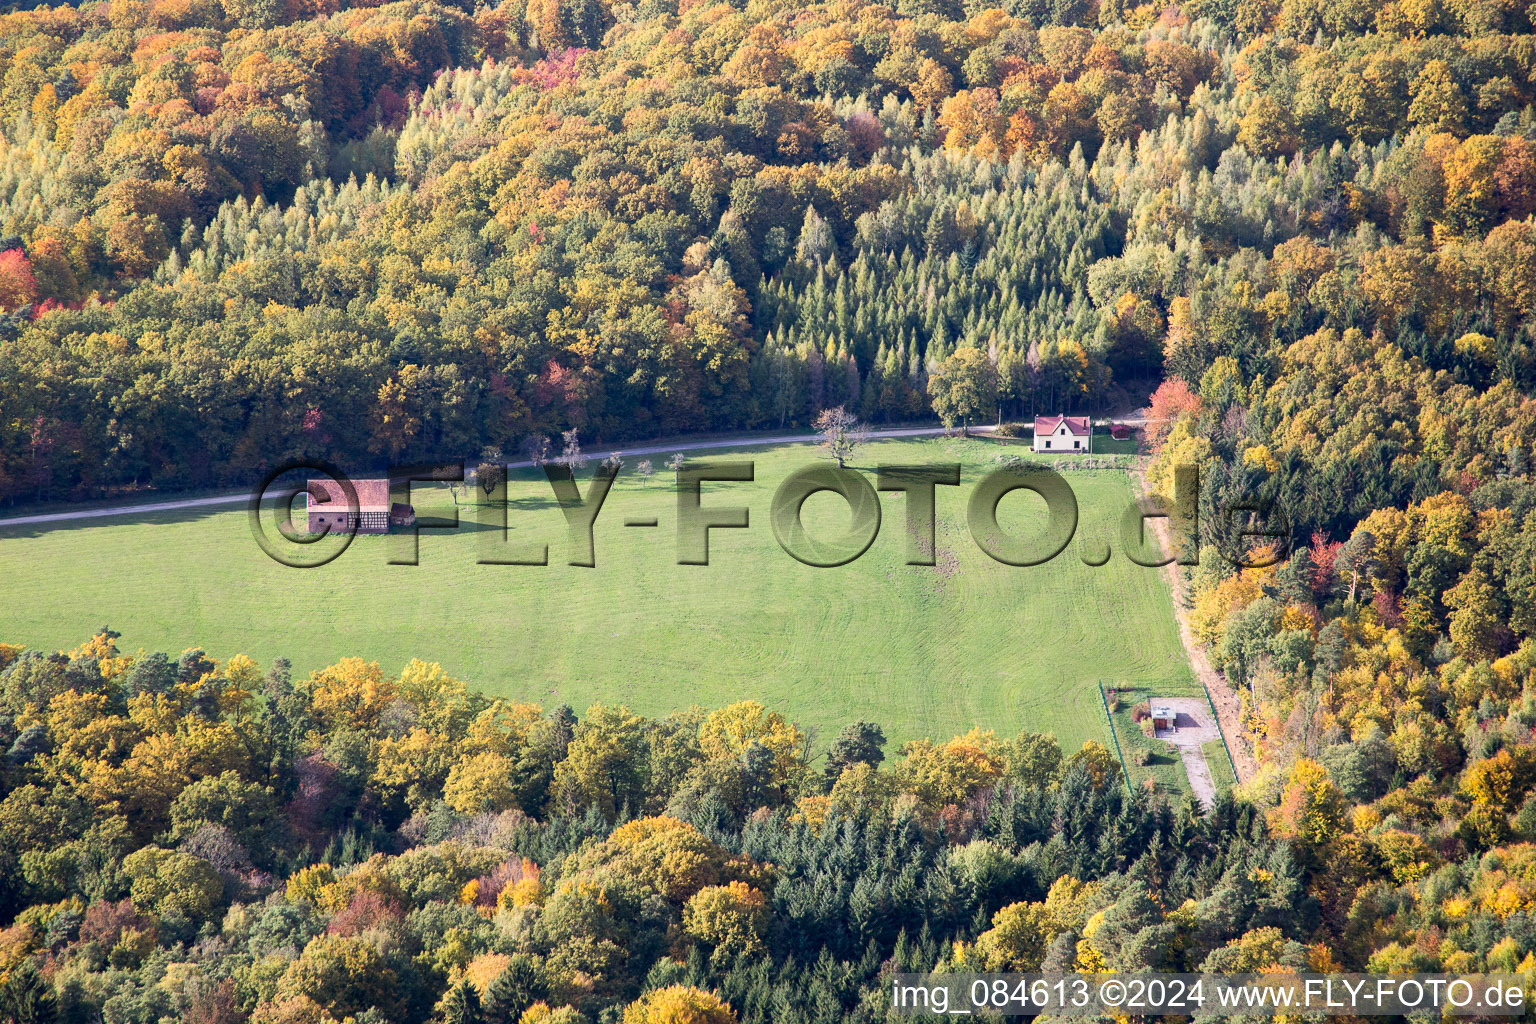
200	841
234	232
237	231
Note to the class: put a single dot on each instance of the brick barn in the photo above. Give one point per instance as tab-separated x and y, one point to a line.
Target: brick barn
375	513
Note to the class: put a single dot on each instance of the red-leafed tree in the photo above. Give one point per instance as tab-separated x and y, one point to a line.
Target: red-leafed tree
1171	400
18	285
1324	554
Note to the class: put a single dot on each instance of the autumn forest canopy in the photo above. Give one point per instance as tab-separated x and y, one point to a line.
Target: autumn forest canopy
194	840
239	232
236	232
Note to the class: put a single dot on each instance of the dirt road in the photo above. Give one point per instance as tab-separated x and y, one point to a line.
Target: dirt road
236	498
1228	706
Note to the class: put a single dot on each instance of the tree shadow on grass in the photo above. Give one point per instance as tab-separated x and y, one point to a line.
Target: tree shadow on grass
170	517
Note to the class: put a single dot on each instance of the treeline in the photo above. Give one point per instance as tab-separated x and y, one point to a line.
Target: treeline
241	232
195	839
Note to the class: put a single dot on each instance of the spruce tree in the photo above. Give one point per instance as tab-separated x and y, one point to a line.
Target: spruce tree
25	998
514	990
461	1005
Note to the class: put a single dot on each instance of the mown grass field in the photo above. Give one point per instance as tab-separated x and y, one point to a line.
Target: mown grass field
1220	763
923	651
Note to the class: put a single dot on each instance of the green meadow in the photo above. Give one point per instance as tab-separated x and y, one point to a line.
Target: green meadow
923	651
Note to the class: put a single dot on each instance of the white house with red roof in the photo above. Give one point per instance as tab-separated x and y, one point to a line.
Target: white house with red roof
1063	434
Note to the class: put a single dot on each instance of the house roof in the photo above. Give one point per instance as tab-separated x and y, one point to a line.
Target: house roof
372	495
1076	425
1162	711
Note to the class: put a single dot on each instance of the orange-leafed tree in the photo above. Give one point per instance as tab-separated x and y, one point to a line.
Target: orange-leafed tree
1172	400
18	285
1311	811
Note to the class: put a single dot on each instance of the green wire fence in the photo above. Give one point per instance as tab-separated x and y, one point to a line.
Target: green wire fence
1125	772
1215	717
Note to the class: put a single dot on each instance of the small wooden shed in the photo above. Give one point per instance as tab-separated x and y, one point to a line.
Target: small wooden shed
1163	716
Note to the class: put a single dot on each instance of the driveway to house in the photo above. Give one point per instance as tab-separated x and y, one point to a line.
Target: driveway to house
1192	728
1228	704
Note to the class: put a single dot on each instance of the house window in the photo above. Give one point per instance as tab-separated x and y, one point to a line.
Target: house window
1047	442
1077	444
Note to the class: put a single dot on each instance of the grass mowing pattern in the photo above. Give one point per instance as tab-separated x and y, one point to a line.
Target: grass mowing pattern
922	651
